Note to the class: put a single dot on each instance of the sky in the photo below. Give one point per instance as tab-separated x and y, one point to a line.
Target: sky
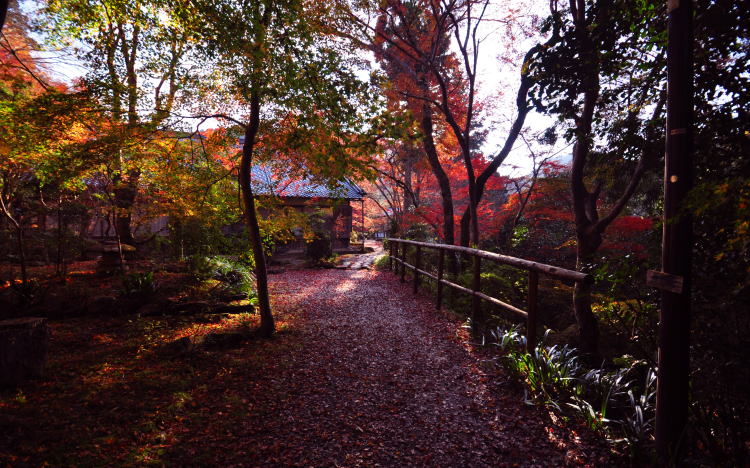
500	54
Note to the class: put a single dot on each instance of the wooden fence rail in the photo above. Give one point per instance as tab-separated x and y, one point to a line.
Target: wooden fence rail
477	319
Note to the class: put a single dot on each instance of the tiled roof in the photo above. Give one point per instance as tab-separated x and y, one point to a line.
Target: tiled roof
265	182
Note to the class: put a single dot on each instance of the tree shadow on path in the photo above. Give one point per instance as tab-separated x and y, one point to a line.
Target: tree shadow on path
366	374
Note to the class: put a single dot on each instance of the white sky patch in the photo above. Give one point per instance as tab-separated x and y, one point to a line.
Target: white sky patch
501	52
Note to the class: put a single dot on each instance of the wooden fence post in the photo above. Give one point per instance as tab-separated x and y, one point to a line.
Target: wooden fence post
531	311
441	265
477	321
390	257
417	266
673	378
403	259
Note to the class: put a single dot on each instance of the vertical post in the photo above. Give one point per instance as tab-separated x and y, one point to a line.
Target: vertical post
417	266
477	321
674	317
363	225
391	257
441	266
532	309
403	259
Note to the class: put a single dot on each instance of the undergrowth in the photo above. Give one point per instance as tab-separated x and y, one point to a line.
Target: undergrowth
382	263
618	402
233	275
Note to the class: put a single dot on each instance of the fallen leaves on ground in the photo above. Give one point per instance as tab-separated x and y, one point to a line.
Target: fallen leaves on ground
361	373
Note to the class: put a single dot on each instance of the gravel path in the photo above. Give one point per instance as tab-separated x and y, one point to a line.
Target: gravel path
380	379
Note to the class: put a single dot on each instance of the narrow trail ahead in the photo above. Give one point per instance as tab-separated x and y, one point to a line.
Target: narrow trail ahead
379	378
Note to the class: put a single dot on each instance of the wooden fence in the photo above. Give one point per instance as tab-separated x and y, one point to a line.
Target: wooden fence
477	319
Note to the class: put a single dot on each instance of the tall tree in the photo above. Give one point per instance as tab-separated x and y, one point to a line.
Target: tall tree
412	83
432	53
580	78
299	100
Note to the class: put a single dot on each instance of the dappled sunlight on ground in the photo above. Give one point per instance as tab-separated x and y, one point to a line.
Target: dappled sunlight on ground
360	373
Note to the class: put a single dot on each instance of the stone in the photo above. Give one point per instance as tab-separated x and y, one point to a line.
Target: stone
190	308
209	341
103	305
233	297
234	309
180	346
109	263
223	340
153	309
23	349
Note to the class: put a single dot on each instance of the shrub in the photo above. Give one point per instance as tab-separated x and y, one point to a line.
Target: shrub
232	274
382	263
620	402
139	285
201	267
318	249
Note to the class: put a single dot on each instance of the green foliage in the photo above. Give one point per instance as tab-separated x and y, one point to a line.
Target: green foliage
318	248
194	236
520	234
140	286
234	275
549	372
420	232
625	306
382	263
620	401
504	282
201	267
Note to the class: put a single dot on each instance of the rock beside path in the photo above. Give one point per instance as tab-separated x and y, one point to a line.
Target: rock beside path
23	349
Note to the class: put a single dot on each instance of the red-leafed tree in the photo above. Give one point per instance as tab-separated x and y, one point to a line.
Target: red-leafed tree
430	51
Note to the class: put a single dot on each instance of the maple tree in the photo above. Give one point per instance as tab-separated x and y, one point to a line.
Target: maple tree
430	53
409	87
39	121
134	56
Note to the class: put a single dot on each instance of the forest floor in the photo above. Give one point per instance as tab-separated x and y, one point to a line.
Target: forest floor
360	373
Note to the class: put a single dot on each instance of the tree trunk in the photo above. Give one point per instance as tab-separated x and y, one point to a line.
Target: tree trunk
3	14
465	234
588	329
59	270
588	231
119	241
440	175
125	194
124	199
21	252
267	326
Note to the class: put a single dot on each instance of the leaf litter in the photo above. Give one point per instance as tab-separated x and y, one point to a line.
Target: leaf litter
361	373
